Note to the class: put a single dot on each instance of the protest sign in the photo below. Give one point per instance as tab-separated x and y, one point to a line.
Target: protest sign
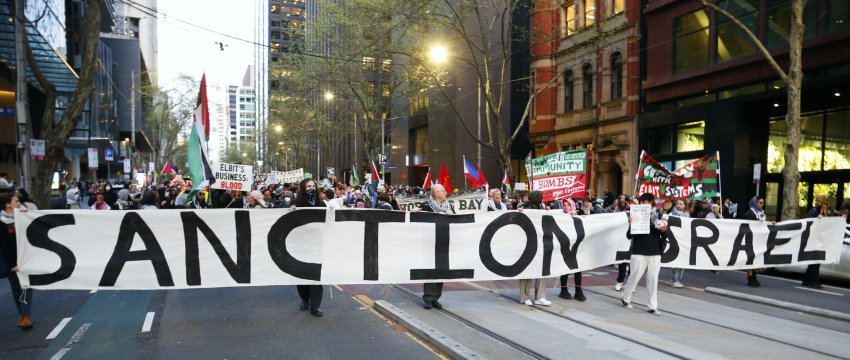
698	179
291	176
79	249
560	175
232	177
642	218
473	201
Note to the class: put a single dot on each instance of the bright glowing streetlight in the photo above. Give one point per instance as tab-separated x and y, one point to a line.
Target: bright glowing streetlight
438	54
278	128
329	95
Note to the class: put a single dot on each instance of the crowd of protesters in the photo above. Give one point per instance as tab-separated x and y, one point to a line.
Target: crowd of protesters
179	193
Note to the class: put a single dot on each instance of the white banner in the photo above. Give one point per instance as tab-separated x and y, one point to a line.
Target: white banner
174	249
291	176
473	201
232	177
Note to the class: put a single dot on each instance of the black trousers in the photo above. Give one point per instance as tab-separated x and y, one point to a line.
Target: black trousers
311	294
576	280
812	276
622	272
432	292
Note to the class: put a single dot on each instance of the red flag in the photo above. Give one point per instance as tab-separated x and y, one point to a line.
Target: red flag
375	176
168	169
482	180
505	179
202	109
444	179
427	183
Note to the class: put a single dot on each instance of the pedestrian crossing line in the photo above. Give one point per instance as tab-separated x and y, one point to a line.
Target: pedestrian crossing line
339	288
74	339
58	329
146	326
93	291
819	291
596	273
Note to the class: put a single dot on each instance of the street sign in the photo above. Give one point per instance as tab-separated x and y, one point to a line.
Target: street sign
383	158
109	155
390	167
757	172
128	168
93	158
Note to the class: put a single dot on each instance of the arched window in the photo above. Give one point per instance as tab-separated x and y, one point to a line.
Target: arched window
587	85
616	76
569	91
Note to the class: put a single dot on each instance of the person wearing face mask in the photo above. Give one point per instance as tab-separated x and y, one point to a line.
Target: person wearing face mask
311	295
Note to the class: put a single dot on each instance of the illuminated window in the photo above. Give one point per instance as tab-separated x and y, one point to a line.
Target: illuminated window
690	41
732	42
387	65
368	63
275	9
690	136
617	6
569	18
838	15
779	22
589	12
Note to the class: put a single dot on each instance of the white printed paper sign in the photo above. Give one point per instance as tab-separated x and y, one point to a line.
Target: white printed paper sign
641	218
232	177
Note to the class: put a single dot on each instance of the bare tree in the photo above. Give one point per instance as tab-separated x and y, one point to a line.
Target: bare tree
170	114
56	132
793	80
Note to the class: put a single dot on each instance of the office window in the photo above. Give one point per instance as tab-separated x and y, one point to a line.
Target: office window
368	63
617	6
275	9
569	18
387	65
690	41
587	86
616	76
690	136
732	42
779	22
589	12
838	15
569	91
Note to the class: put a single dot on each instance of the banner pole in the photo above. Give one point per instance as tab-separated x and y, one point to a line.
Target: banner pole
637	172
719	182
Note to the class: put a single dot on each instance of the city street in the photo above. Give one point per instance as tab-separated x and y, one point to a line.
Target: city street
484	318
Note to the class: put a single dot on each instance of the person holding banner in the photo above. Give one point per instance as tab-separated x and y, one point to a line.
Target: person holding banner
9	253
311	295
437	203
527	288
646	252
812	277
495	203
677	273
568	207
756	212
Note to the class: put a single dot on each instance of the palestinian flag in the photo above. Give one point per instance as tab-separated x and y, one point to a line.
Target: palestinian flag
199	165
354	180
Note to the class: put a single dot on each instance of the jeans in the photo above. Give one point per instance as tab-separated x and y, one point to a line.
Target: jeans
677	274
23	297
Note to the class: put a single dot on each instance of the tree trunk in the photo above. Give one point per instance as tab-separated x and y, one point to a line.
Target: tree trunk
791	172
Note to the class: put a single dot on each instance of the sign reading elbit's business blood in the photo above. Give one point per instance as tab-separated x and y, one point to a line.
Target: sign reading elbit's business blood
232	177
80	249
560	175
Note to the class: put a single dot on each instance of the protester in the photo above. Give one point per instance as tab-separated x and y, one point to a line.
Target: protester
311	295
646	257
148	201
100	203
568	207
714	213
623	268
677	273
812	277
527	288
123	202
256	200
24	199
384	202
437	203
72	197
756	212
495	203
5	185
8	251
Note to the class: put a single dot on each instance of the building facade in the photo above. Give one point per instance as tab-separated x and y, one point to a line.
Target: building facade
241	109
584	66
707	89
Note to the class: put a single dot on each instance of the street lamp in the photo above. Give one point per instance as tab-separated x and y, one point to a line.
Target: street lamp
278	128
438	54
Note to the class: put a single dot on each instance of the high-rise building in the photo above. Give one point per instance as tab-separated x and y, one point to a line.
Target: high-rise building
241	110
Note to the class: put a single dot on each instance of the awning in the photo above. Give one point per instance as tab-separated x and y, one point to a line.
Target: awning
52	65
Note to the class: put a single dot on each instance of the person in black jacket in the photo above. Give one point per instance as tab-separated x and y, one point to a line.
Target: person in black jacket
646	257
311	295
9	252
437	203
755	212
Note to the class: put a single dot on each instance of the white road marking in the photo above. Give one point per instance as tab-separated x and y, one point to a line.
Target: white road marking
74	339
93	291
53	334
146	327
820	291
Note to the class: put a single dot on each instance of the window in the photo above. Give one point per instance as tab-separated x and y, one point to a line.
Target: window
616	76
385	89
275	9
779	22
589	12
569	95
690	136
569	18
617	6
732	42
368	63
690	41
821	147
838	15
587	86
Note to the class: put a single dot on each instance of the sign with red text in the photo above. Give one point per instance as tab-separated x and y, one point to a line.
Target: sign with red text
561	175
698	179
232	177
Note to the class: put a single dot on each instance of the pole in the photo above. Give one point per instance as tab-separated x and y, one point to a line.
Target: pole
132	146
21	95
478	144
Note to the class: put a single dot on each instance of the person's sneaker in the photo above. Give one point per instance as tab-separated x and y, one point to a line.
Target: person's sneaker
542	301
565	294
626	304
437	304
579	296
316	312
25	322
654	312
527	302
678	284
618	287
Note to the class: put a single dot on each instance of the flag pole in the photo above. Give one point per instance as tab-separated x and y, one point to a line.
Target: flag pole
719	183
637	172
